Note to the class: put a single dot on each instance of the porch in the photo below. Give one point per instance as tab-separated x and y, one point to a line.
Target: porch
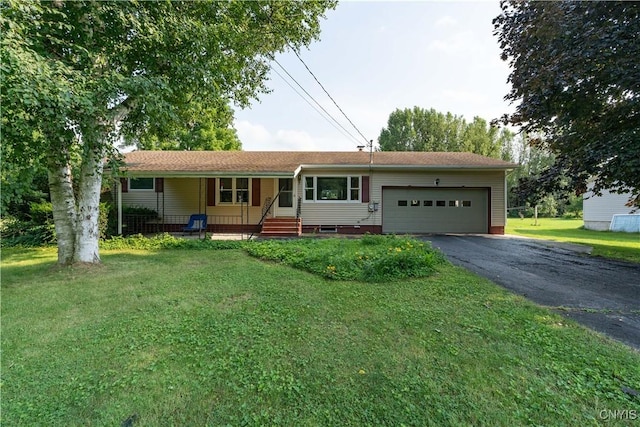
232	205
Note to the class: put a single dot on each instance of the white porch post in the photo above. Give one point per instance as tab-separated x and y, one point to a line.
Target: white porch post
119	186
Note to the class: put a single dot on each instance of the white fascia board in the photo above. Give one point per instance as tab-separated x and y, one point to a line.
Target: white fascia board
407	167
173	174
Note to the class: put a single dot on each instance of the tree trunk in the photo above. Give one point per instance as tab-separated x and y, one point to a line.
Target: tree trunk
64	211
87	234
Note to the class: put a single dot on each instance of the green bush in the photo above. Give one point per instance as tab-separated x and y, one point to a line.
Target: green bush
39	230
372	258
166	241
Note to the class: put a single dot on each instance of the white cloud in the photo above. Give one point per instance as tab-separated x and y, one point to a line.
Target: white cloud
255	137
460	42
446	21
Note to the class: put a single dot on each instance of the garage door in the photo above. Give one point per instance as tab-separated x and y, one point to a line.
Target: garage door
435	210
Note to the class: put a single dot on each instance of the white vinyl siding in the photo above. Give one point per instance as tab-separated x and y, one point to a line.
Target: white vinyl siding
599	210
357	213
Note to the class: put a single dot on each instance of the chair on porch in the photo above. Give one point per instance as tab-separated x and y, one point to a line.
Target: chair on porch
197	222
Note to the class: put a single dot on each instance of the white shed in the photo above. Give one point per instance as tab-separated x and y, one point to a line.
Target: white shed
599	210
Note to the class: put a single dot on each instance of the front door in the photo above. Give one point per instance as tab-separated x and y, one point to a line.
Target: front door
284	204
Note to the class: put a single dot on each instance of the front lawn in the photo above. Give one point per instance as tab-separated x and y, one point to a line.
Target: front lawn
217	337
616	245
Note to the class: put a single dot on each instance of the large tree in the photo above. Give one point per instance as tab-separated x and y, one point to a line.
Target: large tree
78	77
419	129
576	81
202	127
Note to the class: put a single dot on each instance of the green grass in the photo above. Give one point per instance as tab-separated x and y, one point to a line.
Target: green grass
217	337
615	245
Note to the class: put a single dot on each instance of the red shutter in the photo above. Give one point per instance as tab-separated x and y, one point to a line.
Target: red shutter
365	189
124	182
255	192
211	191
159	185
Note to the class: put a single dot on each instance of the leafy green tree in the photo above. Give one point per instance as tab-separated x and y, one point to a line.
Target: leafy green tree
204	128
576	81
78	77
418	129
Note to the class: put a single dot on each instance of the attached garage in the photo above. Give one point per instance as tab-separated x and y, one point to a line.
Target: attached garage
435	210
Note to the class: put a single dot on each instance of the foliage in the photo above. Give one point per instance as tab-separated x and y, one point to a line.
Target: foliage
418	129
218	338
575	79
166	241
206	128
370	259
608	244
22	183
78	77
37	227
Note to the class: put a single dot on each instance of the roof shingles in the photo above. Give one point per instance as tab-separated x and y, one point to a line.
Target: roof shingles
286	162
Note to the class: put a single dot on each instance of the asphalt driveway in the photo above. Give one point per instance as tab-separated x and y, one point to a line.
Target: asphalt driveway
601	294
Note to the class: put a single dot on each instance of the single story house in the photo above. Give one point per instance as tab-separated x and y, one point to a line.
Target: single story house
598	211
288	193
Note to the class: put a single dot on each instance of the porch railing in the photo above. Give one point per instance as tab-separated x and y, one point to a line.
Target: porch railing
267	209
145	224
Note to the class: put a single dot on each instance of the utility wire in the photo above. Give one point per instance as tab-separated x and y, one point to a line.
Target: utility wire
325	91
313	99
367	142
340	129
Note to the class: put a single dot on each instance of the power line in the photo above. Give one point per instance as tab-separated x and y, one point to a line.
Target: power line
325	91
286	40
339	128
343	131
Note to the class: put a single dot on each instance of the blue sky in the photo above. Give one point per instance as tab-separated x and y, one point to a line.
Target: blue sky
374	57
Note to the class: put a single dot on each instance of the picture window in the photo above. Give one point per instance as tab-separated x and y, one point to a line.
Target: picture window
332	188
428	203
466	203
402	203
441	203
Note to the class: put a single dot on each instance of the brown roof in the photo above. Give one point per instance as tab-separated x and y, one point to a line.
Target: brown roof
287	162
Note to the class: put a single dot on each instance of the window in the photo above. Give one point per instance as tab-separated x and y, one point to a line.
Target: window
355	187
226	190
402	203
440	203
141	183
466	203
285	186
453	203
234	190
428	203
332	188
309	188
415	203
242	190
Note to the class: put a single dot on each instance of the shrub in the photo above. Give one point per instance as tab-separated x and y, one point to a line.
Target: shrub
372	258
166	241
39	230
